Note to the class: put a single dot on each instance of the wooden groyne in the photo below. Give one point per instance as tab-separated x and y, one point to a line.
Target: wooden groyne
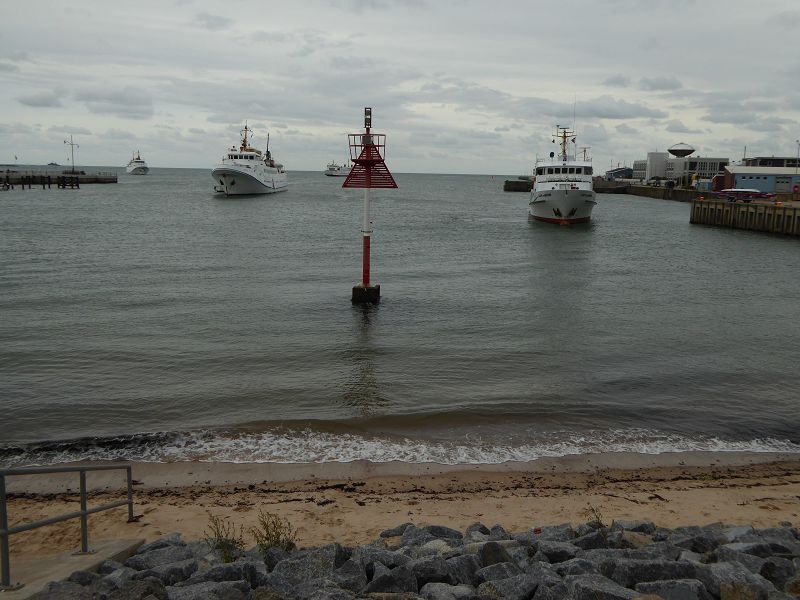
772	217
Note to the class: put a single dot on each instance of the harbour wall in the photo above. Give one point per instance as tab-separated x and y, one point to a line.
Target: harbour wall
35	178
771	217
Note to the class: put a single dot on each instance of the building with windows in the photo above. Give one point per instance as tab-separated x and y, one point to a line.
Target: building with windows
684	170
772	180
639	168
770	161
656	165
619	173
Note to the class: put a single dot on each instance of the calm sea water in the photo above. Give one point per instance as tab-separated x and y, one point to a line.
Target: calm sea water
152	320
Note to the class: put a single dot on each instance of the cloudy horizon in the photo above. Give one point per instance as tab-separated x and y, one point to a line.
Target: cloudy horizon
458	86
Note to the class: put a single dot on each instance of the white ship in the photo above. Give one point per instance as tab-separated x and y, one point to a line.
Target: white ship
562	186
335	170
245	171
137	166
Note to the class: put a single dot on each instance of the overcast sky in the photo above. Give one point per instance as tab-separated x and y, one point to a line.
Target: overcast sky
458	86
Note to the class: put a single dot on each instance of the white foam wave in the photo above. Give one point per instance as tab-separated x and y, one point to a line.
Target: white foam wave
281	446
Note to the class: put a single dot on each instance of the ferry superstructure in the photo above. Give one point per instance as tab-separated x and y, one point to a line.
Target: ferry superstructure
562	187
246	171
336	170
137	165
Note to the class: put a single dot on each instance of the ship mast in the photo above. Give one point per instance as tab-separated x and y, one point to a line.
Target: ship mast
244	136
562	134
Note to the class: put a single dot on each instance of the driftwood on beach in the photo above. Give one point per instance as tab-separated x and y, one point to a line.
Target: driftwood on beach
626	560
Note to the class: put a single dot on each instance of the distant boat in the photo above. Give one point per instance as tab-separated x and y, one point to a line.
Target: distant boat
137	166
562	188
247	171
53	165
336	170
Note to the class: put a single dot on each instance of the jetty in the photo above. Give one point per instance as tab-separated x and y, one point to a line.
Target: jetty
46	178
771	217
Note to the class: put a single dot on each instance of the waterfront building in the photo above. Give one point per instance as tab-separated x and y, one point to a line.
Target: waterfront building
772	180
687	169
639	168
656	165
619	173
771	161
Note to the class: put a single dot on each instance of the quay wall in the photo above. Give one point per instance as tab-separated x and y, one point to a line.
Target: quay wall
38	178
771	217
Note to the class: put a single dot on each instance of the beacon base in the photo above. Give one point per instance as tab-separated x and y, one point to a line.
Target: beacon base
366	294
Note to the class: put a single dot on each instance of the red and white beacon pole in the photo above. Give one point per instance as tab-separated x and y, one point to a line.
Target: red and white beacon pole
367	151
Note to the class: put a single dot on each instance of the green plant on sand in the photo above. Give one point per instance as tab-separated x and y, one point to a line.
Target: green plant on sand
222	535
273	532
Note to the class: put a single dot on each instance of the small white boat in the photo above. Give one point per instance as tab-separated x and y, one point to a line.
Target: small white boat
562	186
246	171
336	170
137	166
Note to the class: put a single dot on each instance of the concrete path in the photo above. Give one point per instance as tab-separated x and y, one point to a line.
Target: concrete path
37	572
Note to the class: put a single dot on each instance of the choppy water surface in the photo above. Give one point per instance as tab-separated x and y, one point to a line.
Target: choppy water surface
152	320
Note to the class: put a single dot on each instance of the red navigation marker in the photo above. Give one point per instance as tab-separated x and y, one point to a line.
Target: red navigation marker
369	171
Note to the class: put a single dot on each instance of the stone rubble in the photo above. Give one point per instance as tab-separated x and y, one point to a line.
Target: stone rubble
628	560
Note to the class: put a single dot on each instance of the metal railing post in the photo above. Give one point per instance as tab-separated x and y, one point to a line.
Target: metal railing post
130	495
5	569
84	516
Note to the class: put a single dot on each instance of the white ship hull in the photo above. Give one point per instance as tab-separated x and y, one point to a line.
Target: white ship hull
336	173
562	206
139	170
233	181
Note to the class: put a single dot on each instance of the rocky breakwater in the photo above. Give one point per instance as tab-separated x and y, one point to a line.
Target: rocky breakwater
590	562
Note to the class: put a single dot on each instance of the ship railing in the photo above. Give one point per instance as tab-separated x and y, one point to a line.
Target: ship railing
557	160
82	514
575	178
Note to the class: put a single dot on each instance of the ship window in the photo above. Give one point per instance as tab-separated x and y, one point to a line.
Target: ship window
578	170
572	170
549	170
540	171
558	170
588	170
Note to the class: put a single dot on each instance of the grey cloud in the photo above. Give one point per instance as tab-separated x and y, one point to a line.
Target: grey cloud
212	22
269	36
607	107
41	100
127	103
360	6
8	68
657	84
626	129
621	81
787	19
17	128
676	126
197	131
119	134
502	128
68	129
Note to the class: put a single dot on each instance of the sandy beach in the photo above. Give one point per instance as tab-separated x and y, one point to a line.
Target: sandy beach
352	503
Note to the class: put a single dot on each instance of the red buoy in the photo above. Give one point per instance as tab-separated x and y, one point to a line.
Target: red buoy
367	151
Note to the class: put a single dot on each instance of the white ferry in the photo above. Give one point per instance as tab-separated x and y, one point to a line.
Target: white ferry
246	171
137	166
336	170
562	186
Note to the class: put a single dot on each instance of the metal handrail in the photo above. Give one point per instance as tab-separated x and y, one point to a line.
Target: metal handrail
82	514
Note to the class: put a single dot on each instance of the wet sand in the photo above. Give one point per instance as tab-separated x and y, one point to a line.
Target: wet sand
352	503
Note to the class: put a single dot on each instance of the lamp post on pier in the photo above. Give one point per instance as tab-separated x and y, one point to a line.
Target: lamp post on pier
72	151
